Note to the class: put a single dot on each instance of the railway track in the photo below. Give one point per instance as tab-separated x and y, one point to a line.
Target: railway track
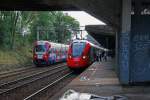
15	72
22	87
24	75
19	71
38	95
30	77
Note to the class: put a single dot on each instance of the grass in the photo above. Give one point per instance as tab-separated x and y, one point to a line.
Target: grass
12	59
8	57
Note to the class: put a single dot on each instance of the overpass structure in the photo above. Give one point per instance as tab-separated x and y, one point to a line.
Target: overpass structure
104	34
128	29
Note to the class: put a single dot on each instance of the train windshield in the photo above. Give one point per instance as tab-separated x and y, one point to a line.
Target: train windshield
40	48
77	49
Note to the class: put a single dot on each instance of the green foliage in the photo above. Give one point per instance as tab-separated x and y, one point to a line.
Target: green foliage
53	26
20	28
18	31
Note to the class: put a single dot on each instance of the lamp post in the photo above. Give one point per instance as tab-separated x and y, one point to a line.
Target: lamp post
38	34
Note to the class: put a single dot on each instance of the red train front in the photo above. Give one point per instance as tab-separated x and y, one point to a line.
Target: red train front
80	54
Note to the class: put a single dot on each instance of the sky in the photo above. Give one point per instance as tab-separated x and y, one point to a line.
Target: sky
84	19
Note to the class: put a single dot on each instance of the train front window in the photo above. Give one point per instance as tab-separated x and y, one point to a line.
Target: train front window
77	49
40	48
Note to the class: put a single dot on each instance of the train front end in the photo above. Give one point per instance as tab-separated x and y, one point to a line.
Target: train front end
78	56
40	53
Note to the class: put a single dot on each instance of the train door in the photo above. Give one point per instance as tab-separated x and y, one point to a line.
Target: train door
54	52
60	55
52	55
57	54
63	53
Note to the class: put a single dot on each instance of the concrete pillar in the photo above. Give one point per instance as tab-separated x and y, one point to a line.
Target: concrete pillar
124	43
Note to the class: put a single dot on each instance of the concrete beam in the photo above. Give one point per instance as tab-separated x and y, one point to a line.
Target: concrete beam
101	30
106	10
104	34
37	5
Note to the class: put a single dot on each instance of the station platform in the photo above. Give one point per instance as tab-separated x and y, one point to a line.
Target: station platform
101	79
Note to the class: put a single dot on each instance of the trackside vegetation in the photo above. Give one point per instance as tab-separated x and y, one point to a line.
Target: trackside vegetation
19	29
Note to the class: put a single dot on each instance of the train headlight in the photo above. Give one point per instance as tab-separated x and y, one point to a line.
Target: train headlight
45	56
84	57
35	56
70	57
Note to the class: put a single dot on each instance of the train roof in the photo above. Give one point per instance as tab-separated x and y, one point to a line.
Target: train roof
96	46
52	43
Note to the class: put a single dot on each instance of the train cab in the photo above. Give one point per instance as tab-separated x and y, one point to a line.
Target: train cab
81	54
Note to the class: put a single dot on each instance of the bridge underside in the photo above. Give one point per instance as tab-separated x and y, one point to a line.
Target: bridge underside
32	5
105	35
106	10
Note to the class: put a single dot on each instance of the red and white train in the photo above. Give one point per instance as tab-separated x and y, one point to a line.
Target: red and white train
45	52
82	53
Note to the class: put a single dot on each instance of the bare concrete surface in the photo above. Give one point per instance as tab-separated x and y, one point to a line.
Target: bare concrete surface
100	79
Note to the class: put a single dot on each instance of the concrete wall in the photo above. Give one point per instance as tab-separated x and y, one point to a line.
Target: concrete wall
140	49
134	45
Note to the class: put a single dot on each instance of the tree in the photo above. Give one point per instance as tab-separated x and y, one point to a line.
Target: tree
8	25
63	24
54	26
